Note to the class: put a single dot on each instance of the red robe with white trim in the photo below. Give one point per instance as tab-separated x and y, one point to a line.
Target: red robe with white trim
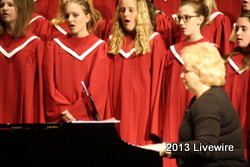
21	83
238	89
231	8
218	31
56	31
166	26
68	61
40	26
135	89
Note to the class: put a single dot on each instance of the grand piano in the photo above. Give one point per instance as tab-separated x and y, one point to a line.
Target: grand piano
70	144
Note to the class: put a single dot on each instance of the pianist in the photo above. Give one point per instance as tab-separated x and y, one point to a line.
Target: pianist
210	134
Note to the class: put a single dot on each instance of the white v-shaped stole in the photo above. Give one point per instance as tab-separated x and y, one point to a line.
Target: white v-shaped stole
128	54
235	67
59	28
176	54
32	20
73	53
215	14
17	49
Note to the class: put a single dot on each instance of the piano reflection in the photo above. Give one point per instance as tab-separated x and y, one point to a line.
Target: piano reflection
89	144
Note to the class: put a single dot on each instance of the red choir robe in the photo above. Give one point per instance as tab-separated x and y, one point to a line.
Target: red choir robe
68	61
174	97
103	29
135	89
39	26
167	27
21	83
47	8
218	31
248	120
169	7
237	86
107	8
58	30
232	8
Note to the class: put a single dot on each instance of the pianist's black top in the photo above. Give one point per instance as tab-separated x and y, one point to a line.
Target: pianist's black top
210	134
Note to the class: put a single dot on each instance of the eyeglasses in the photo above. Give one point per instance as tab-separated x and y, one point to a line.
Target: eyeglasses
185	18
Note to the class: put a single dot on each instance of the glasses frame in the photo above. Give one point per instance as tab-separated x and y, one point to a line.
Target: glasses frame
185	18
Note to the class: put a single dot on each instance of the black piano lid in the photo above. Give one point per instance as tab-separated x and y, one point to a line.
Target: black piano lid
71	144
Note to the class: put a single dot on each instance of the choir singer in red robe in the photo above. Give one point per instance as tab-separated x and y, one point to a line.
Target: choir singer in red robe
21	58
137	54
238	74
72	58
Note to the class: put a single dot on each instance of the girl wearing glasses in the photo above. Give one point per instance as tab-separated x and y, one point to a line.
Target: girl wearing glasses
217	28
192	15
238	74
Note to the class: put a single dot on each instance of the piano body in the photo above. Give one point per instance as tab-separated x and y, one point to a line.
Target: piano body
70	144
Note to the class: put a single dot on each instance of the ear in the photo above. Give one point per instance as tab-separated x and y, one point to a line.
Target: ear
201	19
88	17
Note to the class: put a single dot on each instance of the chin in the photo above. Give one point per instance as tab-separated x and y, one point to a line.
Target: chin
242	45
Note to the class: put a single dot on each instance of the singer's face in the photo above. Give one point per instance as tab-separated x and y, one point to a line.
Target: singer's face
8	12
243	32
76	19
128	14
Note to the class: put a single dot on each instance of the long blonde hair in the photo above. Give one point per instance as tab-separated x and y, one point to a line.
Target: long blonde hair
143	30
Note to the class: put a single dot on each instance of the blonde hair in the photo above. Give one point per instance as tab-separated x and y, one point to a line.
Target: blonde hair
143	30
211	4
206	60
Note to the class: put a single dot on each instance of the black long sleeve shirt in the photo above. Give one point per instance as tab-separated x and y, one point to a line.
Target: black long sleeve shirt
210	134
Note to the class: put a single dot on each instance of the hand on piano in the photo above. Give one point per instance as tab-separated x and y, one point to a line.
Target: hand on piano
159	147
110	119
67	116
